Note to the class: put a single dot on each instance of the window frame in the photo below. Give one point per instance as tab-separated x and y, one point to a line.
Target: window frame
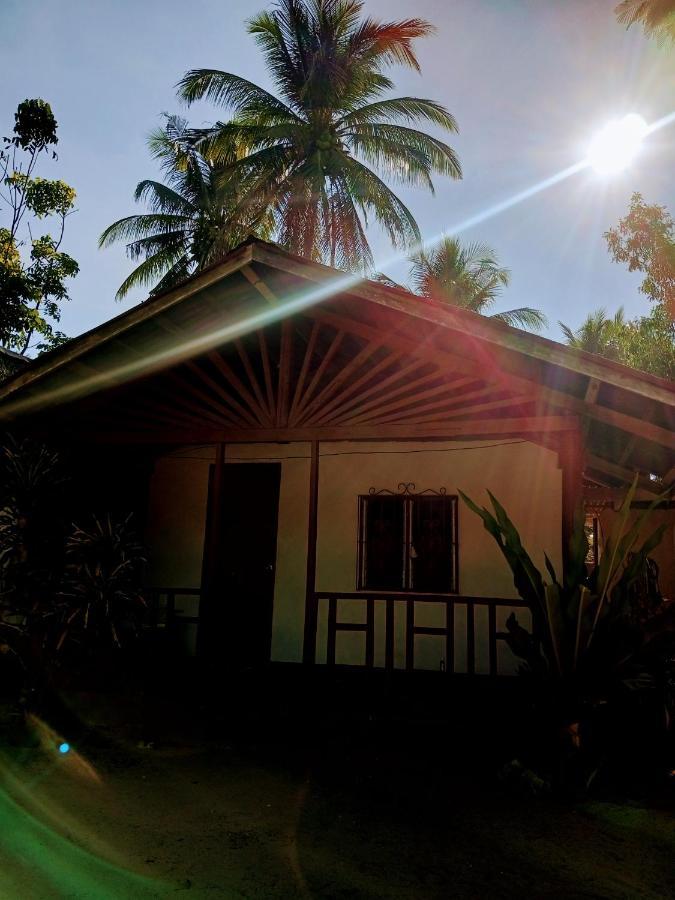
407	496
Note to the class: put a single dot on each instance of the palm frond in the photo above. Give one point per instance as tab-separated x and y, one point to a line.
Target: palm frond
522	317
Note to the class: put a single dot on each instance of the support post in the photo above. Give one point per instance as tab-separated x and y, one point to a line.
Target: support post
309	644
571	463
211	568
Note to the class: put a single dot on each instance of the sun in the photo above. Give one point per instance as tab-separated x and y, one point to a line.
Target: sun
615	147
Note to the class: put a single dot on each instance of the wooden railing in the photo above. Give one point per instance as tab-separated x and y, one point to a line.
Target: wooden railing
162	609
447	631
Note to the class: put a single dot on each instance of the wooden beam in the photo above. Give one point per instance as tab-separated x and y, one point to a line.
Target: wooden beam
478	428
304	369
571	462
259	412
263	289
267	370
122	323
335	384
621	473
309	642
412	411
507	381
253	381
495	333
318	375
285	362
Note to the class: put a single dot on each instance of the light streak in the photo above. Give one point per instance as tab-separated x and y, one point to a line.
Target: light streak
181	349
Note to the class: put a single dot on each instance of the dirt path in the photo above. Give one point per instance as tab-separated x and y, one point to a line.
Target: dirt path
128	823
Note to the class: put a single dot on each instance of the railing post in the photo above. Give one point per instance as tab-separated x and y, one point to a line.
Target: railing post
309	642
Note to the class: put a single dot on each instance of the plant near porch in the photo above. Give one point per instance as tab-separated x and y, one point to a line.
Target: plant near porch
590	650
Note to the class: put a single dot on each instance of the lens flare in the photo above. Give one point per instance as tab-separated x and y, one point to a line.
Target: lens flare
615	147
64	747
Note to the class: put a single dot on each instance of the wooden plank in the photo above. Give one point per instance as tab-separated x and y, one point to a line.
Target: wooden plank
206	398
477	428
309	643
285	361
548	397
390	411
410	634
329	410
621	473
470	639
370	632
332	631
253	381
443	415
318	375
389	634
267	371
571	462
257	282
122	323
492	639
483	328
333	387
258	410
450	636
304	369
384	388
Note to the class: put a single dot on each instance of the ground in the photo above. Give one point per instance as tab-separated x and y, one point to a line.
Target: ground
348	808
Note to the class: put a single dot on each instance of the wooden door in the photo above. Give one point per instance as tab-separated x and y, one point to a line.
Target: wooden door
236	616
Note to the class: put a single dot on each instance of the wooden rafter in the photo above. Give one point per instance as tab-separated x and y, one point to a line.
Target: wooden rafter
259	412
304	369
329	411
343	376
267	370
471	410
318	375
285	362
253	381
411	404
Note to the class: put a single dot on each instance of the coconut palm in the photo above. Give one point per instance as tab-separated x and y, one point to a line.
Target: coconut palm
598	334
471	277
657	17
195	217
315	148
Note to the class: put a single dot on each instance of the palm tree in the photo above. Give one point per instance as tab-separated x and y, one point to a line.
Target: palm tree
470	277
314	148
598	334
195	217
656	16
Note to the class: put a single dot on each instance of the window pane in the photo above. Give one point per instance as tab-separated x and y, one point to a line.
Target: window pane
432	551
384	543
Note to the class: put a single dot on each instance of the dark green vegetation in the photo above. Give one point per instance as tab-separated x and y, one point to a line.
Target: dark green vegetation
33	270
645	241
600	659
69	594
310	155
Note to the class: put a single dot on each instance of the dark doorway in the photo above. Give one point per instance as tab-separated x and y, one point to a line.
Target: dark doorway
239	565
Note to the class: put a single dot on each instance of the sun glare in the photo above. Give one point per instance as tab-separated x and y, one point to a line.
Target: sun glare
615	147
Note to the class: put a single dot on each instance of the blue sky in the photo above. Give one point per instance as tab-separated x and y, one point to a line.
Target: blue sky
529	81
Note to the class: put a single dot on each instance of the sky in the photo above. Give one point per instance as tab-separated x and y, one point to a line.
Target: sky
529	82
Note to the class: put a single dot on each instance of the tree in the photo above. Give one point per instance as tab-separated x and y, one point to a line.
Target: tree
645	239
314	149
195	217
646	343
598	334
657	17
33	270
468	276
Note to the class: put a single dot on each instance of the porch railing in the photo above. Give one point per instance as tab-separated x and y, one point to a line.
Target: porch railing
166	606
447	631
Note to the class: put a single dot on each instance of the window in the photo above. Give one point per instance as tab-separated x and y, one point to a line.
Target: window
408	542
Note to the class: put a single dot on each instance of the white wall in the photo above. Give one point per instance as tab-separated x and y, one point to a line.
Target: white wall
523	476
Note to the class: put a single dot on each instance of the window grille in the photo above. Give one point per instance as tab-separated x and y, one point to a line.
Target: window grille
407	541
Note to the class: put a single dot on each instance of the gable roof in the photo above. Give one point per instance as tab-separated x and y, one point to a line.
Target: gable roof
620	403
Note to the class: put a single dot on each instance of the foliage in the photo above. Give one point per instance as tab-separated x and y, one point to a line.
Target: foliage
586	637
468	276
33	271
313	150
196	215
657	17
645	240
60	584
102	598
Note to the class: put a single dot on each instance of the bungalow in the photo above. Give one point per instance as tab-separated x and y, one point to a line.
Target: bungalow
293	440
